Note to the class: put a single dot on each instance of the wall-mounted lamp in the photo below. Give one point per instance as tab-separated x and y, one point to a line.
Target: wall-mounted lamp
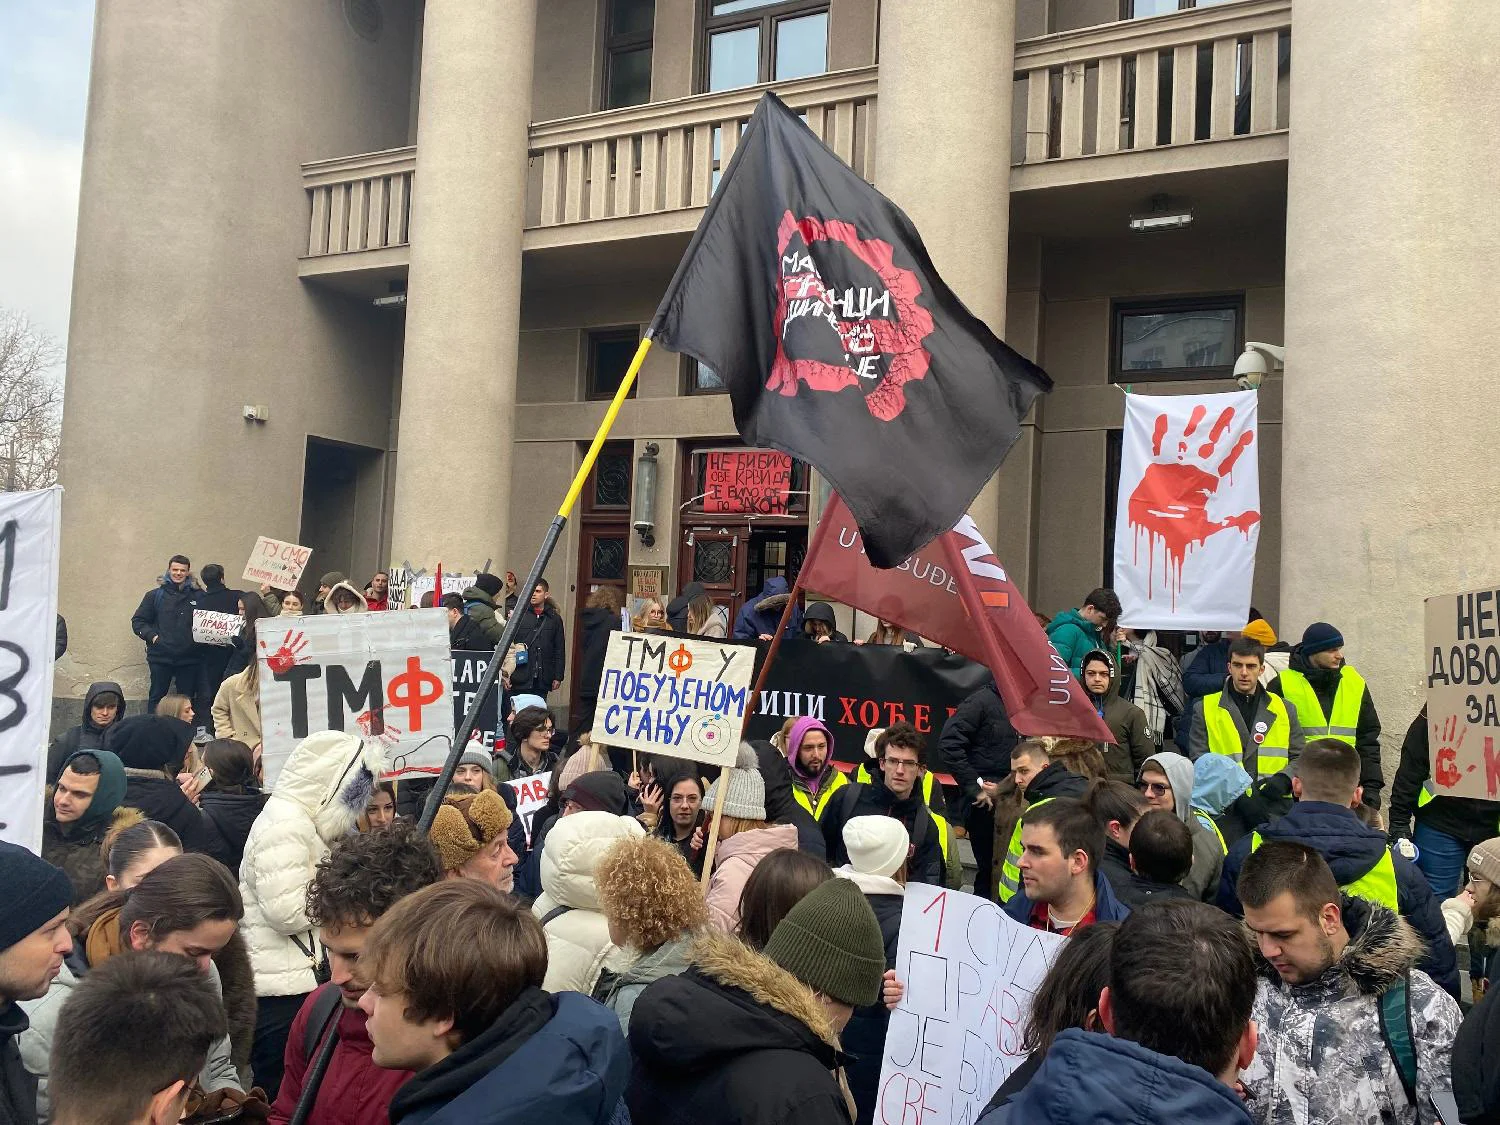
645	494
1256	362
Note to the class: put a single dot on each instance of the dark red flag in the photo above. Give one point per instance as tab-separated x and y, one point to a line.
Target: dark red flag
812	297
956	593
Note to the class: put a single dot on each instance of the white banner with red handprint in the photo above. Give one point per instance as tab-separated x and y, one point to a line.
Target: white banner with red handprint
1463	693
385	676
1188	515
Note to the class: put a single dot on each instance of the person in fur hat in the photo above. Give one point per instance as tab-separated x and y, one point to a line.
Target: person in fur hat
471	834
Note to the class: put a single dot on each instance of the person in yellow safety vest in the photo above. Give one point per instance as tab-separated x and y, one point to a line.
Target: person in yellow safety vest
1446	827
1259	730
932	793
1040	780
1333	701
894	792
809	753
1327	790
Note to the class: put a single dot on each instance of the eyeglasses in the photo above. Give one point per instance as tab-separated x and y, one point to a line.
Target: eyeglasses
902	763
1153	788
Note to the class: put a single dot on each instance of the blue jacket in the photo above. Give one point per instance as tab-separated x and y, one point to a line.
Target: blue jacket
1351	849
559	1059
1090	1077
1107	908
752	622
1074	637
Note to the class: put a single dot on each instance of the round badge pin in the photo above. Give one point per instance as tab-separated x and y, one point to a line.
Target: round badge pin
1259	738
1261	727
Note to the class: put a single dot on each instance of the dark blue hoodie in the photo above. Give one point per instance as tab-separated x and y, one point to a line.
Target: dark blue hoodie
753	621
1107	907
1088	1077
1351	849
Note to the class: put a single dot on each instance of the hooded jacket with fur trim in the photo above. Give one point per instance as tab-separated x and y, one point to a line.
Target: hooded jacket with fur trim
1320	1055
320	792
736	1040
578	945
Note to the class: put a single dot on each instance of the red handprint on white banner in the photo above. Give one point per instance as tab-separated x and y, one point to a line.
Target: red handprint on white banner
289	654
1170	504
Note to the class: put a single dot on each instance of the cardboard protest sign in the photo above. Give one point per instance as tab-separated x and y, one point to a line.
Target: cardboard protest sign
276	564
747	480
531	795
385	676
683	696
210	628
468	672
970	972
29	531
1463	693
425	583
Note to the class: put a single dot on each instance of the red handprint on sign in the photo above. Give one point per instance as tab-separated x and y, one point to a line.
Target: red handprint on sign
1170	504
289	654
372	724
1449	739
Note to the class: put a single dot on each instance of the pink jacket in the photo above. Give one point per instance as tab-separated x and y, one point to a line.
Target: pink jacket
735	859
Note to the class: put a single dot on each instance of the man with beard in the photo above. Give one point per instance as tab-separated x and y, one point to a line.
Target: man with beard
1478	904
895	790
356	883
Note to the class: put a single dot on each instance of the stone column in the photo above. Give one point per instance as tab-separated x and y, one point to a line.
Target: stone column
942	152
1389	490
458	390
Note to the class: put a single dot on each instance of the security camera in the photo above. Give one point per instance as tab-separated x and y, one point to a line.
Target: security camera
1256	362
249	413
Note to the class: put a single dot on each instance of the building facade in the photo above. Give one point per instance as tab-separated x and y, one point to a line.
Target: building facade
425	239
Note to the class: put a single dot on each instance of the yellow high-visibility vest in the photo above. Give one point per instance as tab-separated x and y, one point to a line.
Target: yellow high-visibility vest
1376	885
1208	822
862	775
1344	721
835	783
1010	870
1272	752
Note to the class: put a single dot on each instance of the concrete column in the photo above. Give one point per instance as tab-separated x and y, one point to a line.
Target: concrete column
942	151
458	390
1388	491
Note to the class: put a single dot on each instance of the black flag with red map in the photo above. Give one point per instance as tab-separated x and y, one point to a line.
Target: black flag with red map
812	297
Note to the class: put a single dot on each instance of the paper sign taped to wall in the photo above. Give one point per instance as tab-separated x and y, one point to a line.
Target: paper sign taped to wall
276	564
970	972
210	628
667	694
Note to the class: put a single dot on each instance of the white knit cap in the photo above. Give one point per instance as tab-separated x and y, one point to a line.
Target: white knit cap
877	845
870	736
746	796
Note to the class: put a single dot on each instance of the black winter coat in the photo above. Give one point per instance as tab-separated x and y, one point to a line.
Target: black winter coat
546	650
781	805
230	815
159	798
1467	819
85	736
976	742
595	626
732	1041
17	1086
215	659
164	620
926	863
468	636
864	1035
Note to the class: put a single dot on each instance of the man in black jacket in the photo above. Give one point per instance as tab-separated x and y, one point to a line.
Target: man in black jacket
976	743
213	660
164	620
892	791
541	631
464	633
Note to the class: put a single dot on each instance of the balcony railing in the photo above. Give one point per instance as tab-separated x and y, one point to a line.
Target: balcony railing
1208	74
359	202
667	156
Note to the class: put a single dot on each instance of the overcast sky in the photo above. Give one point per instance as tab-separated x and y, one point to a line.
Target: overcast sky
44	80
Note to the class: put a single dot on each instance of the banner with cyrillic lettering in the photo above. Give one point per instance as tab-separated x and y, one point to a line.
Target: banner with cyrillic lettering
29	531
385	676
666	694
1463	693
468	670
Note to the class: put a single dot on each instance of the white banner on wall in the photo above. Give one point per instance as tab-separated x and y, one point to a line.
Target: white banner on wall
1188	514
386	676
30	524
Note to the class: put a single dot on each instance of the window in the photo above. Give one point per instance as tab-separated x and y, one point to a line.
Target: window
1140	9
627	52
751	41
1183	338
610	353
700	378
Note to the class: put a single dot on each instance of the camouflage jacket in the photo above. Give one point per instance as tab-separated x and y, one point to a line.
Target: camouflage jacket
1321	1060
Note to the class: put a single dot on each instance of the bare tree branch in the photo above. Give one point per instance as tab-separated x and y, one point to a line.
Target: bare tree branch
31	398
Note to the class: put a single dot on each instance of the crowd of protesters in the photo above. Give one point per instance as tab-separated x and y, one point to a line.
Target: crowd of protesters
1250	939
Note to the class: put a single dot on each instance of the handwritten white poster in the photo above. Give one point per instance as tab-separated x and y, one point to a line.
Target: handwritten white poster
276	564
1463	693
29	530
531	795
211	628
386	676
682	696
970	972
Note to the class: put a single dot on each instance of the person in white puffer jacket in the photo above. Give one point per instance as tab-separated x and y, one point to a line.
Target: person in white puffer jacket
578	945
321	790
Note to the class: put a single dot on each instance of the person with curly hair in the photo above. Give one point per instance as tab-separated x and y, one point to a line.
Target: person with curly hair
361	878
654	907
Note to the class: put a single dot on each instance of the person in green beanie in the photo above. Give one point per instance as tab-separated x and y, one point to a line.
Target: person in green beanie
746	1037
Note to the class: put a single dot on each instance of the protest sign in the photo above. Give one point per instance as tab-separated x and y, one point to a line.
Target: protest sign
664	694
425	583
276	564
531	795
747	480
1187	517
29	531
385	676
468	672
970	973
1463	685
210	628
